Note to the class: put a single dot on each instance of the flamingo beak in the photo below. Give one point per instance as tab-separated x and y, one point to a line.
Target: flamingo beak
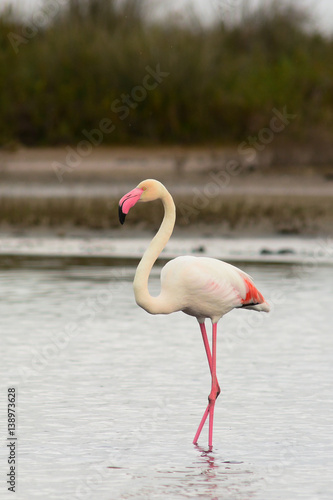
127	202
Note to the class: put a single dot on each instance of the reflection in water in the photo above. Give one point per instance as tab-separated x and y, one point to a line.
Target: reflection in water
215	470
210	471
208	476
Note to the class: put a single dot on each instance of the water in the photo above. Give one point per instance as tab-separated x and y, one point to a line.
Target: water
109	397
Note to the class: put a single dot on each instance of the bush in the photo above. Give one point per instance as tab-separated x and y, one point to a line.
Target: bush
223	79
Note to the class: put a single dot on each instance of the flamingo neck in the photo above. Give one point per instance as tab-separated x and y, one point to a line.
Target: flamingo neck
140	284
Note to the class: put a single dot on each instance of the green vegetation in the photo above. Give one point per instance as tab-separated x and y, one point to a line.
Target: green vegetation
74	74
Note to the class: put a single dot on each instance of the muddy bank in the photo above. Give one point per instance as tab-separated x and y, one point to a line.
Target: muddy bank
213	191
71	164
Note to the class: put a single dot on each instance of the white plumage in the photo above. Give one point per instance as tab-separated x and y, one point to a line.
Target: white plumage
204	287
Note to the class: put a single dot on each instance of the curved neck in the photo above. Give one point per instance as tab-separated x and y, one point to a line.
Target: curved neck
140	284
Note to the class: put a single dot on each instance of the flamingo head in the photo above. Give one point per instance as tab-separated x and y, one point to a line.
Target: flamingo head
147	190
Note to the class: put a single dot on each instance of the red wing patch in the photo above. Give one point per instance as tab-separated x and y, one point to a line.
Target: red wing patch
253	296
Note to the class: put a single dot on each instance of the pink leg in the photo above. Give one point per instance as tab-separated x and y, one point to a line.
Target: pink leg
206	343
215	386
202	423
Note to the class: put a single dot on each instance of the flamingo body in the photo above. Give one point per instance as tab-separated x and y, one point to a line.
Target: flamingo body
207	288
199	286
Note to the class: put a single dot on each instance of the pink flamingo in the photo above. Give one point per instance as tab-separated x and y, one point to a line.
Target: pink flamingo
199	286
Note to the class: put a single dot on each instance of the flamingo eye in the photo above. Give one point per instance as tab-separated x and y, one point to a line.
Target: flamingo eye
144	188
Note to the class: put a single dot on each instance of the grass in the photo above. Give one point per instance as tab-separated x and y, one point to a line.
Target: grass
223	80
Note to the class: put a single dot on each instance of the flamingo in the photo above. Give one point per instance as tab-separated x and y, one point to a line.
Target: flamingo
202	287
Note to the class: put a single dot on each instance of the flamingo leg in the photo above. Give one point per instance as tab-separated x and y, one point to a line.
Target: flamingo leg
202	423
215	390
206	344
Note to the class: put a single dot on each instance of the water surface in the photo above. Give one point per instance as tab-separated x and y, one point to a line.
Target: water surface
109	397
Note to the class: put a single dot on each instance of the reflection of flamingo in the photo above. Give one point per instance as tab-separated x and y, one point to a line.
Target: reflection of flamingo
198	286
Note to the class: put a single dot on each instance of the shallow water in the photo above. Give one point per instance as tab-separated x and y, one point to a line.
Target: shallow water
109	397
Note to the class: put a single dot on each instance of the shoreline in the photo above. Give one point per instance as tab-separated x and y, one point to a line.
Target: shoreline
214	191
55	251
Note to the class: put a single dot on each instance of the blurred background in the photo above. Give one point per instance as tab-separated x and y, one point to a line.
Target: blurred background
97	94
230	104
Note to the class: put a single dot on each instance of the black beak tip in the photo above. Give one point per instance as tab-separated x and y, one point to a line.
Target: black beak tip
121	214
